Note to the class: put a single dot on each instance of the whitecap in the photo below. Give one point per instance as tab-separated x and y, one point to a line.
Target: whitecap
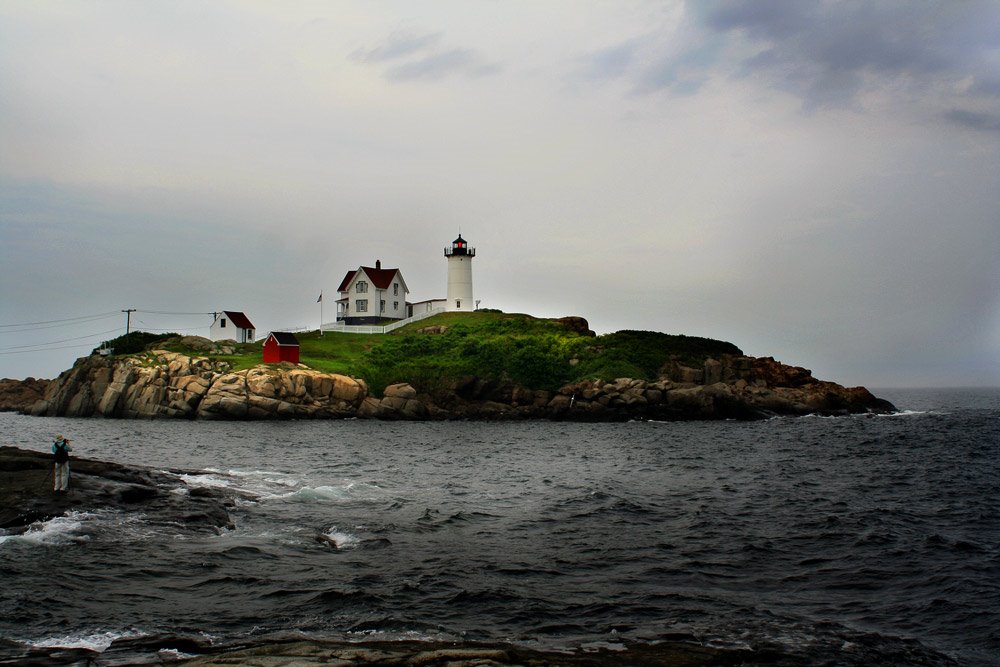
903	413
254	483
310	493
97	641
175	654
76	527
349	491
340	539
211	481
65	529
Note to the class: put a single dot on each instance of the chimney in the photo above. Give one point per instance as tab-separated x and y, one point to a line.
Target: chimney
378	263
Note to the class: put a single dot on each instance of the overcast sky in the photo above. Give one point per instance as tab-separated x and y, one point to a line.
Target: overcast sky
813	181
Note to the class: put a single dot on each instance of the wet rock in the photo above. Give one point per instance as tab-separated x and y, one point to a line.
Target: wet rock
26	494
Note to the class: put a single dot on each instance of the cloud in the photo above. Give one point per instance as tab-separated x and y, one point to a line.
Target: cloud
928	56
398	45
414	57
612	62
440	65
827	53
975	120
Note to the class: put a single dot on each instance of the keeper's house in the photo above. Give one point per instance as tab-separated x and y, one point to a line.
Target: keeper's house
232	325
371	295
281	346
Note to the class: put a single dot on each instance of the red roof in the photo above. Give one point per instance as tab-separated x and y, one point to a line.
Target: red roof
239	319
381	278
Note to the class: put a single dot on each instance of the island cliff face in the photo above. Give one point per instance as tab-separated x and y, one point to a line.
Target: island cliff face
169	384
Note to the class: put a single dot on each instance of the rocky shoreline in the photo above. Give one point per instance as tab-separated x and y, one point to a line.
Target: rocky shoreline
26	495
162	384
298	652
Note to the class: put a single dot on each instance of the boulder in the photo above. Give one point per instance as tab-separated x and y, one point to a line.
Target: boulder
400	390
20	395
577	324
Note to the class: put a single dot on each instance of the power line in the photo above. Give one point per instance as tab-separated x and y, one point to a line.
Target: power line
164	312
56	342
95	318
46	349
69	319
171	330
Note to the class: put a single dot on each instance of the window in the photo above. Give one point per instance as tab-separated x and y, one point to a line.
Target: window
458	303
362	287
361	306
395	305
381	306
222	323
395	289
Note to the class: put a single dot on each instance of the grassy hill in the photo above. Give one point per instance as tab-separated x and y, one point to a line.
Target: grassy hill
536	353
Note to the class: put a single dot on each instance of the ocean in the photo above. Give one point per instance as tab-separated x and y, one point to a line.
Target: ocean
846	540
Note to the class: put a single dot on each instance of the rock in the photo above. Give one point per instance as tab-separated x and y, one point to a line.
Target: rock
400	390
713	371
26	494
436	329
162	384
167	384
777	374
577	324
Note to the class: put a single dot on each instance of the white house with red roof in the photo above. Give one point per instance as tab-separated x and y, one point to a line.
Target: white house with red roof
232	325
370	295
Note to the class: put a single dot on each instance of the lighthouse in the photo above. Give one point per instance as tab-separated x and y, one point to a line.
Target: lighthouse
460	256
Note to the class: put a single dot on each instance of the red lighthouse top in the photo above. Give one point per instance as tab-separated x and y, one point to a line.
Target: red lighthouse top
460	247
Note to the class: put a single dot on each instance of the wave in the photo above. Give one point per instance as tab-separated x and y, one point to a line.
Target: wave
75	527
265	485
906	413
98	641
349	491
339	539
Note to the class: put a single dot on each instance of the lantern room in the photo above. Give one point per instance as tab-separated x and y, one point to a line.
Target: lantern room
460	247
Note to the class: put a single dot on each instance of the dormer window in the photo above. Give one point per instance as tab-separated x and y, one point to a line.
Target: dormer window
362	287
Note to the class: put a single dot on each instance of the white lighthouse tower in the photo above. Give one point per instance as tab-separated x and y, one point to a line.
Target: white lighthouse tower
460	256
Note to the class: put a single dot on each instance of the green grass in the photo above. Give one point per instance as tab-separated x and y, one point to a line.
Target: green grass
536	353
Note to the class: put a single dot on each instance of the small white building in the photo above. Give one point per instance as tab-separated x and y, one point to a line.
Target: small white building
370	295
428	306
232	325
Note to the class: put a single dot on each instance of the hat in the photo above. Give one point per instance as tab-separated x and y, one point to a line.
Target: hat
59	437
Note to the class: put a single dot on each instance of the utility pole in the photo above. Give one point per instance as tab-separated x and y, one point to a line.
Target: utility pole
128	319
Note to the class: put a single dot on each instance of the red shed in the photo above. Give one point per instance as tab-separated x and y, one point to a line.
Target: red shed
281	346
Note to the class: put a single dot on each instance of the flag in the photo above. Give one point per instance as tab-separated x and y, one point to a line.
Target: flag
320	298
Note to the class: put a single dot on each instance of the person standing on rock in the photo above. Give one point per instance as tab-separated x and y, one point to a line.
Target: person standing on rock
60	453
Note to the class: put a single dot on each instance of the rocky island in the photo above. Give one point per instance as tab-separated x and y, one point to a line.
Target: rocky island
509	367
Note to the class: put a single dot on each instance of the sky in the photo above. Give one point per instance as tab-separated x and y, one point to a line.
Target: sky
814	181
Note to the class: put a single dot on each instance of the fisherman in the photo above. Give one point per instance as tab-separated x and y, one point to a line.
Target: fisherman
60	453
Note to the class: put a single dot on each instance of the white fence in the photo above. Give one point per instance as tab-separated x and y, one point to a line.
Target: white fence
340	327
